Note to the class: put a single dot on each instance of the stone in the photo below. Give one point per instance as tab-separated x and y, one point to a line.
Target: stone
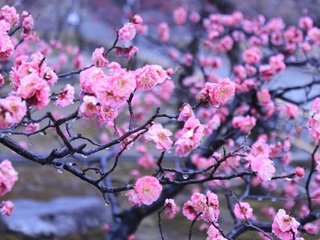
59	217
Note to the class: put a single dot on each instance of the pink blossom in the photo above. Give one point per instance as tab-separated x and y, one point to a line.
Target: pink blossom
194	17
283	225
32	127
214	234
65	97
251	56
149	76
225	44
185	112
164	32
189	137
160	136
147	161
6	46
127	52
148	189
245	124
88	107
266	72
316	105
136	19
205	207
106	114
98	58
188	211
90	78
9	14
12	111
291	110
201	162
240	71
263	166
219	93
127	32
224	91
8	177
277	63
27	22
243	211
180	15
314	35
264	96
171	209
6	208
305	23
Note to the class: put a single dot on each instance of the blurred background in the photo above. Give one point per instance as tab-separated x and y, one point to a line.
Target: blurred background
51	204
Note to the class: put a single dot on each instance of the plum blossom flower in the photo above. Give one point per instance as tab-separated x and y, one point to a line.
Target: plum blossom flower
189	137
146	161
200	206
214	234
283	225
171	209
32	127
219	93
6	45
98	58
291	110
305	23
8	177
127	32
245	124
6	208
88	107
12	111
316	105
90	78
9	14
164	32
251	56
147	190
243	210
65	97
180	15
224	91
314	35
149	76
160	136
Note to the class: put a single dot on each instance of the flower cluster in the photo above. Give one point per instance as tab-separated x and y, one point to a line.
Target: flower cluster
204	207
284	226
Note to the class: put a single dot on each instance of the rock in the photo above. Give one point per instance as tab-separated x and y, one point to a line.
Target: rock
59	217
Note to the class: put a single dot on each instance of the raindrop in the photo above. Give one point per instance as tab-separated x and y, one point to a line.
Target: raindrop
217	105
70	164
84	156
185	176
60	170
107	204
9	133
42	133
273	199
169	151
260	199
